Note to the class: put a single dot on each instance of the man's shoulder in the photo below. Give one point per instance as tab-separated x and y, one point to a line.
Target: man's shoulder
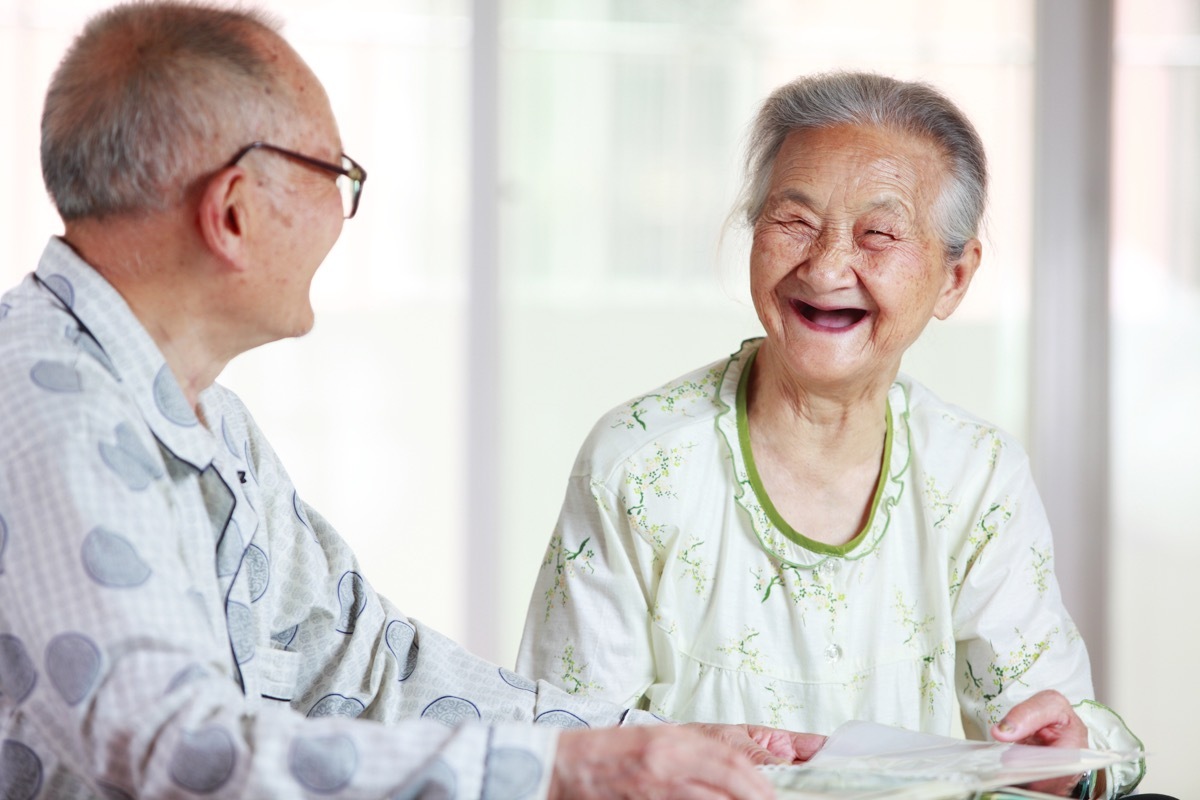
55	380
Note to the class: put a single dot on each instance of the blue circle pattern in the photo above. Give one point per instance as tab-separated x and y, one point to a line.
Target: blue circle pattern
337	705
517	681
55	376
399	637
129	460
450	710
558	718
170	400
285	637
20	771
62	288
112	561
258	567
352	597
204	760
3	542
73	666
17	672
241	630
299	509
323	764
512	774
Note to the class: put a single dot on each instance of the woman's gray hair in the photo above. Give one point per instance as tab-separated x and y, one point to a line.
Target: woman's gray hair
862	98
148	99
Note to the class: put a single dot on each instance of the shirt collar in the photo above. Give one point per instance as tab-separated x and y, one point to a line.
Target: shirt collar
137	362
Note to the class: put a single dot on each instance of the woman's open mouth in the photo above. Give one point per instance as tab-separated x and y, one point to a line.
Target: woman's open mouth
829	319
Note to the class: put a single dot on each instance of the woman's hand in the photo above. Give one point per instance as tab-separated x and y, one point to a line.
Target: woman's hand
1048	720
764	745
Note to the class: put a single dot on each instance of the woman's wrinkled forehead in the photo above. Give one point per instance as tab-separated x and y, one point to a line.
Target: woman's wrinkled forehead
856	167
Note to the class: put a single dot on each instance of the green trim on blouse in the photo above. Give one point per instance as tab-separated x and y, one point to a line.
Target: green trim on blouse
743	430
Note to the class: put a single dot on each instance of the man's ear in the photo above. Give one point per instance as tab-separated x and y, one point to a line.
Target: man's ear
958	278
222	217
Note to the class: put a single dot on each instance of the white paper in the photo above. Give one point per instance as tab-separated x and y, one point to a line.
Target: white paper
869	761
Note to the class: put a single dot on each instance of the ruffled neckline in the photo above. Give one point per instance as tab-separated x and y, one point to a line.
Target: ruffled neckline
774	534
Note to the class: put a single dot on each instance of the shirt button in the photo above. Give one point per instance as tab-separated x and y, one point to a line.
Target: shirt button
831	566
833	653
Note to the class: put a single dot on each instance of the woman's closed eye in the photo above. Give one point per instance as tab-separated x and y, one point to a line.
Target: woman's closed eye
799	227
877	237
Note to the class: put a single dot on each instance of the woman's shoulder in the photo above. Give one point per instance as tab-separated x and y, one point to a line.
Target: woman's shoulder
683	408
948	431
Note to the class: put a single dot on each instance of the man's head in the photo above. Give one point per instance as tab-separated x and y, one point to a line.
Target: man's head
152	97
145	137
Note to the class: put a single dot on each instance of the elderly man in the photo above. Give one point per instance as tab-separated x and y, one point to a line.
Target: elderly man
174	621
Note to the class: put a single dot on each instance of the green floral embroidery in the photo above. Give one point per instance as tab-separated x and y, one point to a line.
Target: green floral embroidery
999	675
652	478
939	503
809	588
908	620
696	567
768	534
1041	568
985	530
565	563
599	492
931	686
669	397
856	684
778	705
571	672
751	656
983	433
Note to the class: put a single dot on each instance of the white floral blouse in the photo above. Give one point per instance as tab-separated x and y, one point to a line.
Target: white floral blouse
672	584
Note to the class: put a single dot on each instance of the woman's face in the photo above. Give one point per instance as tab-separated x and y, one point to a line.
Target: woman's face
846	267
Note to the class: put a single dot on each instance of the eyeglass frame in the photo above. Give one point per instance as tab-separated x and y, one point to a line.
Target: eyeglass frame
355	173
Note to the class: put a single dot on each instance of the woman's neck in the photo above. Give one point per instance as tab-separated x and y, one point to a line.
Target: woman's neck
845	424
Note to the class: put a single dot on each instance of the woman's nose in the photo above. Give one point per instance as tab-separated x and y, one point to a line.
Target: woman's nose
829	264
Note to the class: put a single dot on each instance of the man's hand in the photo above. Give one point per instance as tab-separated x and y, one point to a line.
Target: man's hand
655	761
764	745
1046	719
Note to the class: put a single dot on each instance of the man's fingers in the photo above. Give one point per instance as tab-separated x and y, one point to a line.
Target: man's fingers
730	773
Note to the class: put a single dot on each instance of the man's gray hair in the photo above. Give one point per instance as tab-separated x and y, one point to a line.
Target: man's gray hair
862	98
148	98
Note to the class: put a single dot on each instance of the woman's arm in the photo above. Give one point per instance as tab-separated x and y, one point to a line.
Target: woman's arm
588	626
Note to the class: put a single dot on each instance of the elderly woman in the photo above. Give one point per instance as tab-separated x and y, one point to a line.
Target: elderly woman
798	535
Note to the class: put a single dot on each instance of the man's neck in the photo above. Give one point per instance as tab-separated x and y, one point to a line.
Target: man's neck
167	285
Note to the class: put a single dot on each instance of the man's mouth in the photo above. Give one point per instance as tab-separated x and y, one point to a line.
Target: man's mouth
829	318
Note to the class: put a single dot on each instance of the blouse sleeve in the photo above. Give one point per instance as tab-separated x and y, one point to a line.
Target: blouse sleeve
588	625
1015	637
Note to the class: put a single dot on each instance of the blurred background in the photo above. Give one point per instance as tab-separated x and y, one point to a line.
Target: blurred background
543	236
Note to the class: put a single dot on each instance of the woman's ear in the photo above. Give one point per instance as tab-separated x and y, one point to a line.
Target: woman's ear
958	278
222	217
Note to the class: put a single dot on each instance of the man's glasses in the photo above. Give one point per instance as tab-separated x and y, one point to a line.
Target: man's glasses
350	176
